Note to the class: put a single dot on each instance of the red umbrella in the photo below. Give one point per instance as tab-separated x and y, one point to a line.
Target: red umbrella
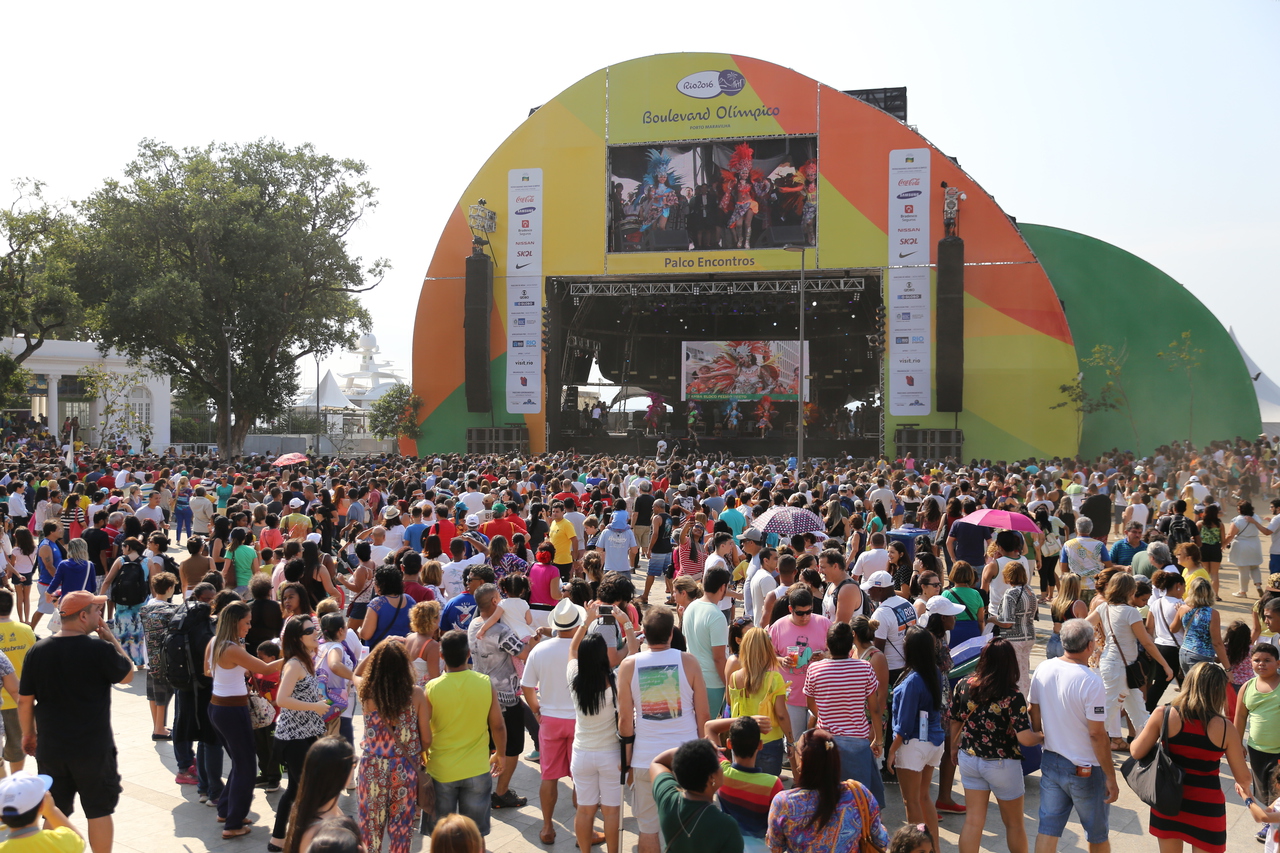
290	459
1000	519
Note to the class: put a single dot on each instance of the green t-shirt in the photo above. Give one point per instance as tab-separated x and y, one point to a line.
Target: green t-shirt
705	629
693	826
1264	717
966	597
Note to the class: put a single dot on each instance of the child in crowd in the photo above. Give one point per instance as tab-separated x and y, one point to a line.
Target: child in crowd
1269	815
513	610
264	739
24	800
911	839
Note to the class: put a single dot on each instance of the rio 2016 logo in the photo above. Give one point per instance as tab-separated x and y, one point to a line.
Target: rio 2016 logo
712	84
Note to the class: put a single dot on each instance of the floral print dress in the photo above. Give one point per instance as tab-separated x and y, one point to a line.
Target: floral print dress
387	796
990	731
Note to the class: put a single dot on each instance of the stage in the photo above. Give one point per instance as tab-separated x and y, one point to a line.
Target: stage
737	447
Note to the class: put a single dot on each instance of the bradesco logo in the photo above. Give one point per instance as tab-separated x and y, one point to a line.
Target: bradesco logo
712	84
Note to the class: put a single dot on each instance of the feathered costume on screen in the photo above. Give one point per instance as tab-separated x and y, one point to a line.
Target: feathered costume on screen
742	367
764	414
812	414
802	198
657	408
734	417
743	186
660	190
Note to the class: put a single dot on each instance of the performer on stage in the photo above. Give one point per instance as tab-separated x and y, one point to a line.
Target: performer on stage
743	185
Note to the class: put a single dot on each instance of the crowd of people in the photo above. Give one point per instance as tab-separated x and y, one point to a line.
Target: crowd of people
822	638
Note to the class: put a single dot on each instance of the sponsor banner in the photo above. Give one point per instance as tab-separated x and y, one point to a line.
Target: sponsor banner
909	350
909	292
742	370
524	291
698	96
909	190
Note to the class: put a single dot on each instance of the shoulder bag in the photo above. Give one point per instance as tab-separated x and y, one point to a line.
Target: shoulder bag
261	712
862	801
1135	673
1155	778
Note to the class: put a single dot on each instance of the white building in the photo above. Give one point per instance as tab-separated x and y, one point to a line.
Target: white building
57	392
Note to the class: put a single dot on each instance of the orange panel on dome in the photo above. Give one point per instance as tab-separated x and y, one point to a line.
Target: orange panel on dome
777	85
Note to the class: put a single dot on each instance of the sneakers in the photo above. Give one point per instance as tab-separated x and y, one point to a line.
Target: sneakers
204	798
1262	833
270	786
950	808
186	778
533	755
509	800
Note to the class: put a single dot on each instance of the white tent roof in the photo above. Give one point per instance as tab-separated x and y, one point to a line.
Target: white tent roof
331	396
1267	390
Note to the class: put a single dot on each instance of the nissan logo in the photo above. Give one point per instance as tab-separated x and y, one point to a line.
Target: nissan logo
907	194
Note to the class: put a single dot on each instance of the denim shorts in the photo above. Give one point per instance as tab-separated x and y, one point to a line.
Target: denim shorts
658	564
1061	788
468	797
1000	776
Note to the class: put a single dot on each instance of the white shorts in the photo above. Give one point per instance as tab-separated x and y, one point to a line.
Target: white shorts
917	755
642	804
595	777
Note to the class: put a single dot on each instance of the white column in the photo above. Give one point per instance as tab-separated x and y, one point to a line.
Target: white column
51	403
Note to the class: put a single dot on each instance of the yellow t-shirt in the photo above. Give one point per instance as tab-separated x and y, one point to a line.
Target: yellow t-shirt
742	704
60	840
740	573
561	535
459	725
16	640
1200	572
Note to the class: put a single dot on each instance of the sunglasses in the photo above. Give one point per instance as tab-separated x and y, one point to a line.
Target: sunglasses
935	583
802	612
742	621
308	631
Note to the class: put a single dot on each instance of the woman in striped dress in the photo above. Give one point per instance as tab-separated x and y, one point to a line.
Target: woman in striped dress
1198	737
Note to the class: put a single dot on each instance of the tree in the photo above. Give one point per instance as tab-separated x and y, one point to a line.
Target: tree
1183	355
117	417
1083	403
39	299
1112	363
230	252
395	413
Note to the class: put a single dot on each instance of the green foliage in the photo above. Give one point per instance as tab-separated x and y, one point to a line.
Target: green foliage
229	252
1112	363
395	413
116	417
39	299
1183	355
1083	403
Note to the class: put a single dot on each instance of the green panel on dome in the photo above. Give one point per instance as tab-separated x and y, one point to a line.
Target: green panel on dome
1112	297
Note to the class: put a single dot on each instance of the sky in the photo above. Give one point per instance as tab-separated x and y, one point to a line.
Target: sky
1143	124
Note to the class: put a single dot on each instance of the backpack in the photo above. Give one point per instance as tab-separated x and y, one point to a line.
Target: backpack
336	688
170	565
1180	531
176	664
130	585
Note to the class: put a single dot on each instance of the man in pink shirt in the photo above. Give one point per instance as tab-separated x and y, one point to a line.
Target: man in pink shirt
799	639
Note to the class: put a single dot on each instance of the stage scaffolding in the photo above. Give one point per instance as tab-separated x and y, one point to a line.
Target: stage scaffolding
815	284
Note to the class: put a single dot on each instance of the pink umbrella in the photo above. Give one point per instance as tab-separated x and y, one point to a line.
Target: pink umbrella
291	459
1000	519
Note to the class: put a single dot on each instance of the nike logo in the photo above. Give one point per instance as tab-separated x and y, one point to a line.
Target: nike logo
900	255
521	266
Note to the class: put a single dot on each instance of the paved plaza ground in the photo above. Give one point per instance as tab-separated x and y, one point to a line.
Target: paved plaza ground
156	815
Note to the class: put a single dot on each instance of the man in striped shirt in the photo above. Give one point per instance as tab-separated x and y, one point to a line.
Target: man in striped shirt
843	692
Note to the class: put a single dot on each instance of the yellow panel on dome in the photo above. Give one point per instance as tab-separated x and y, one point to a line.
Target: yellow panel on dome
859	244
983	321
691	96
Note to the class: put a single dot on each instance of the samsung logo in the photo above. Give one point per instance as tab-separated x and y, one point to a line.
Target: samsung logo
907	194
525	211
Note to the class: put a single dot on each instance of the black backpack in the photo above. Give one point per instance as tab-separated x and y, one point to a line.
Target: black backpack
130	585
170	565
177	662
1180	531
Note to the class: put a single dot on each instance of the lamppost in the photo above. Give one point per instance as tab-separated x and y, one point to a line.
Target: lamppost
804	369
227	330
319	423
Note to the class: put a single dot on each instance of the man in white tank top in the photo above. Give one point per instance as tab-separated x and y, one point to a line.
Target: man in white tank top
662	702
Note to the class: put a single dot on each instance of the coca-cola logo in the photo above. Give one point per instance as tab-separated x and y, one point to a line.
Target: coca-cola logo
908	182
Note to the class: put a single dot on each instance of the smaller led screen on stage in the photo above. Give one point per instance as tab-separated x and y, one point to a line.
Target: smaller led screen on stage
707	196
741	370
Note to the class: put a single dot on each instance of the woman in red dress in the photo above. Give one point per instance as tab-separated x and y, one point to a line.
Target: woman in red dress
1198	737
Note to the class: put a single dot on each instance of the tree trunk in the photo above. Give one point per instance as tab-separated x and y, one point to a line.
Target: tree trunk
239	430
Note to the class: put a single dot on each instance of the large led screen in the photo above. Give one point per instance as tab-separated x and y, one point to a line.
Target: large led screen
741	370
